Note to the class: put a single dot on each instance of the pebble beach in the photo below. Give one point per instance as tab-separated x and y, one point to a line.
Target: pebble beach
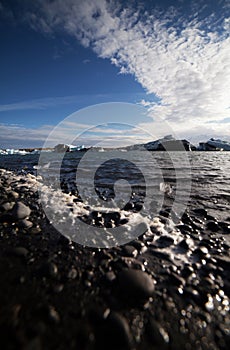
167	289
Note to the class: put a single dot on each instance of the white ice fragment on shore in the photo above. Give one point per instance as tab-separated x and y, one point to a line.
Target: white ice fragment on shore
37	167
165	188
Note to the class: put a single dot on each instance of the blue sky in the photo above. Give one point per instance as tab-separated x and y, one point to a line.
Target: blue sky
172	57
46	78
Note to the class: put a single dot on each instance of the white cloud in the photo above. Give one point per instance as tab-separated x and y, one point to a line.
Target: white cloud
70	132
42	103
182	60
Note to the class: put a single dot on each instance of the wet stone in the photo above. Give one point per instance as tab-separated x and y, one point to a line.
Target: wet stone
212	226
58	288
72	274
203	250
13	194
206	243
185	228
161	255
137	244
200	252
187	271
208	281
35	230
225	227
211	218
110	276
175	280
128	206
164	213
184	245
128	250
224	261
186	219
6	206
53	314
20	211
123	221
164	241
115	217
113	333
138	207
157	334
201	211
48	269
19	251
135	284
26	224
64	241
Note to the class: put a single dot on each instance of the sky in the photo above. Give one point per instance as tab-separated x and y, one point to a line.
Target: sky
170	59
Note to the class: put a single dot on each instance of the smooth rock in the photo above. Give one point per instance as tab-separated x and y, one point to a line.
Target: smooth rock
128	250
19	251
186	219
211	218
157	335
201	211
161	255
164	213
6	206
175	280
185	228
72	274
114	217
225	227
26	223
14	194
184	244
48	269
212	226
164	241
123	221
112	331
135	284
20	211
64	241
138	207
128	206
120	331
137	244
200	252
110	276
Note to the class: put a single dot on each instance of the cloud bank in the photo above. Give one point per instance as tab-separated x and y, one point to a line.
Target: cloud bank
180	56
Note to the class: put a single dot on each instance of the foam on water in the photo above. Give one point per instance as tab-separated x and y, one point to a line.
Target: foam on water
67	214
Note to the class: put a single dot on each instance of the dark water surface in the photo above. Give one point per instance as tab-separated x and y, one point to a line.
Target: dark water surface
210	182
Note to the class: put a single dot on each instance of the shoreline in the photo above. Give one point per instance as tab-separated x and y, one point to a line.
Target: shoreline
58	294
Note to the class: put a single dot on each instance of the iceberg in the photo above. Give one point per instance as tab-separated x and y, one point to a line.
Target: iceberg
214	145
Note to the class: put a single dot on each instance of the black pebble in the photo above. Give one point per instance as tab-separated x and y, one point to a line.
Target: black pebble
212	226
201	211
164	241
135	284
